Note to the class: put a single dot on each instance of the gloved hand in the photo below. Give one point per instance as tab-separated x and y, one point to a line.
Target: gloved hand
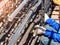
46	17
39	30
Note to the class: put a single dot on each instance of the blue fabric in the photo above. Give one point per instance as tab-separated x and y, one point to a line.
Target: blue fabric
45	40
55	36
53	23
50	33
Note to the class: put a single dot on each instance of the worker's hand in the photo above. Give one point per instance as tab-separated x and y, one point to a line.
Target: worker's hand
46	17
39	30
